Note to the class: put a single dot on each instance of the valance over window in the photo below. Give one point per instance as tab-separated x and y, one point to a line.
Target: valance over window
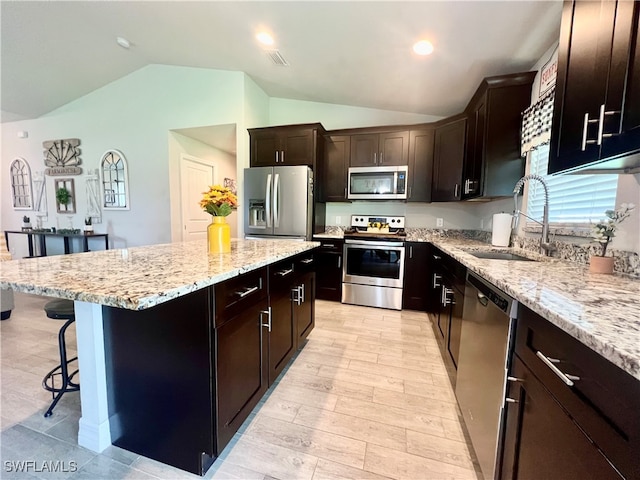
536	123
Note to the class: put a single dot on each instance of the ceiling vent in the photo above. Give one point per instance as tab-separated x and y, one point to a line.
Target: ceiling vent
277	58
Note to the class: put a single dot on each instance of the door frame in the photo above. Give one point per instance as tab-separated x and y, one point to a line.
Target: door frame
190	158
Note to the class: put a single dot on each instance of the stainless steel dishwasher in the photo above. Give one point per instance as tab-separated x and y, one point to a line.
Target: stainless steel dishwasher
485	344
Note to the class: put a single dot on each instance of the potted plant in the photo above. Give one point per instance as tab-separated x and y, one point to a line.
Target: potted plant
88	226
219	202
603	232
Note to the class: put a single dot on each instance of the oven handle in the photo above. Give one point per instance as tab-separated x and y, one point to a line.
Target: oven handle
373	243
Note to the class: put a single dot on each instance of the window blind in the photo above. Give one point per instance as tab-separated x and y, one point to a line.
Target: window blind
573	199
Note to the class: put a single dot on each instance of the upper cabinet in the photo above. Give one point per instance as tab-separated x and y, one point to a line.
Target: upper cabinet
448	159
375	149
420	164
493	163
596	120
333	187
286	145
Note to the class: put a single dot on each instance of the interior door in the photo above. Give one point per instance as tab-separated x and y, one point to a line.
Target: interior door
195	177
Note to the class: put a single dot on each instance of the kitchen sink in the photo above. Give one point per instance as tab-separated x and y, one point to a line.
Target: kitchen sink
501	256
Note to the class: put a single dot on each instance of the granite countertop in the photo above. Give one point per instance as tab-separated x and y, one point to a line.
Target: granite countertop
141	277
601	311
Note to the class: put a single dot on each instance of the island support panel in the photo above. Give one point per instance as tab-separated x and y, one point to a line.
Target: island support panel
159	369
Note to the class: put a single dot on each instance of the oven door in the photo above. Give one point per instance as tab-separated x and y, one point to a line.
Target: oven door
373	263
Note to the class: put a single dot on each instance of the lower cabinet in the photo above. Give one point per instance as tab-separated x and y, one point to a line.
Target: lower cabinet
328	268
414	290
304	313
570	413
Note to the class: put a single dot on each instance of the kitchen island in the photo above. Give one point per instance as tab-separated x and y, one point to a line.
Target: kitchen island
168	290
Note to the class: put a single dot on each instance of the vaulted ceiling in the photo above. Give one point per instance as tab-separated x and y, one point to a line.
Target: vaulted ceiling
343	52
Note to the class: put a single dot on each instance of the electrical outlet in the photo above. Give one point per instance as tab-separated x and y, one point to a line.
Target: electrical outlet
439	222
338	220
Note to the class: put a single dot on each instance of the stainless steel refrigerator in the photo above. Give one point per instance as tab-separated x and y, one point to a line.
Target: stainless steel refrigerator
278	202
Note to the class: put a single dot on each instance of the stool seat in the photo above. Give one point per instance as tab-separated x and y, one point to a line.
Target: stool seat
60	309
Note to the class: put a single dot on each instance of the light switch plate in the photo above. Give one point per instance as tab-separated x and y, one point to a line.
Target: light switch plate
439	222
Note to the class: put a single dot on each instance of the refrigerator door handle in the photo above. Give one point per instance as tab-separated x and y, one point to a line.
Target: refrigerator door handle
267	200
276	200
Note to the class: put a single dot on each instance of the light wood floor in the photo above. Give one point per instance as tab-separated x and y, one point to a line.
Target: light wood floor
366	398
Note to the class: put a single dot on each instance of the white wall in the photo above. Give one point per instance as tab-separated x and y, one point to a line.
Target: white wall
133	115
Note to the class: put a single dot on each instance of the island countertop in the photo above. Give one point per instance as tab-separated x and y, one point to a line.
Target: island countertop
141	277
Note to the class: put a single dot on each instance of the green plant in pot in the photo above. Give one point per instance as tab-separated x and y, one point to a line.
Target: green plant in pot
63	196
88	225
603	232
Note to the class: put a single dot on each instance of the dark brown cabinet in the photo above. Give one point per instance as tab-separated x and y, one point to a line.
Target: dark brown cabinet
375	149
282	334
304	306
597	101
448	159
286	145
493	163
570	412
414	290
328	267
335	167
420	164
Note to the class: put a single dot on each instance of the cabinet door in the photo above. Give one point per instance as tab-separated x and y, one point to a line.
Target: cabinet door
540	438
364	150
623	123
420	165
393	148
584	55
475	150
448	159
434	284
264	145
282	338
297	147
414	292
455	324
241	373
328	262
305	307
336	164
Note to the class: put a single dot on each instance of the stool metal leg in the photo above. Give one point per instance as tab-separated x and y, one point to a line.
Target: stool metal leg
67	384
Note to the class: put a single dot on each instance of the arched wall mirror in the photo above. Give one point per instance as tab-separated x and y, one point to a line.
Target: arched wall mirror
21	184
115	181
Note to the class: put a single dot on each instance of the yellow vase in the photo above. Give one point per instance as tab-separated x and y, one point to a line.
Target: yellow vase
219	235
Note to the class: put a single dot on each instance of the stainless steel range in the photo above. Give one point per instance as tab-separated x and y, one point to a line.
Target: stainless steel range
373	267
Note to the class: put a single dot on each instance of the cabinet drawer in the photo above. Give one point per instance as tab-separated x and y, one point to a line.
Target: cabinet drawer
237	294
331	246
304	263
281	275
603	399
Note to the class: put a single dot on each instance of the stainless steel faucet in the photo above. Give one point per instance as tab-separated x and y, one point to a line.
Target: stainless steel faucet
545	246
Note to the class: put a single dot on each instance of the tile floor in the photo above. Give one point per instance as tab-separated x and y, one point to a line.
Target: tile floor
366	398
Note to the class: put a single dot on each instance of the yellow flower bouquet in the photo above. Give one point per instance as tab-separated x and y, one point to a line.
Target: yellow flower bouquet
219	201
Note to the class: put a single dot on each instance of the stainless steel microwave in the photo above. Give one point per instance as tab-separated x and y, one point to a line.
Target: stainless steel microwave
378	183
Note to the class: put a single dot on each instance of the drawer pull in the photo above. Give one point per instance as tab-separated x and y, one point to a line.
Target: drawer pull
247	292
436	278
549	362
284	273
306	261
510	400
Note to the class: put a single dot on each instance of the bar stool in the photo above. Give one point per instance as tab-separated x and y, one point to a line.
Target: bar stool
60	309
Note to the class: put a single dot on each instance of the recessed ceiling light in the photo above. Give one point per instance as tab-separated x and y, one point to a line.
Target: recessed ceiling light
123	42
264	38
423	47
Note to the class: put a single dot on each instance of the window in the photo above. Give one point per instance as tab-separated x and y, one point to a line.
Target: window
21	184
573	199
115	189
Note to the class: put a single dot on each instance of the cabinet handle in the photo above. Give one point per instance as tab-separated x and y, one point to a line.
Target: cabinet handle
437	257
345	192
456	190
445	297
411	251
375	158
266	312
549	362
301	287
246	292
514	379
284	273
282	156
601	133
339	262
277	156
295	295
585	127
381	158
409	196
510	400
436	277
306	261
